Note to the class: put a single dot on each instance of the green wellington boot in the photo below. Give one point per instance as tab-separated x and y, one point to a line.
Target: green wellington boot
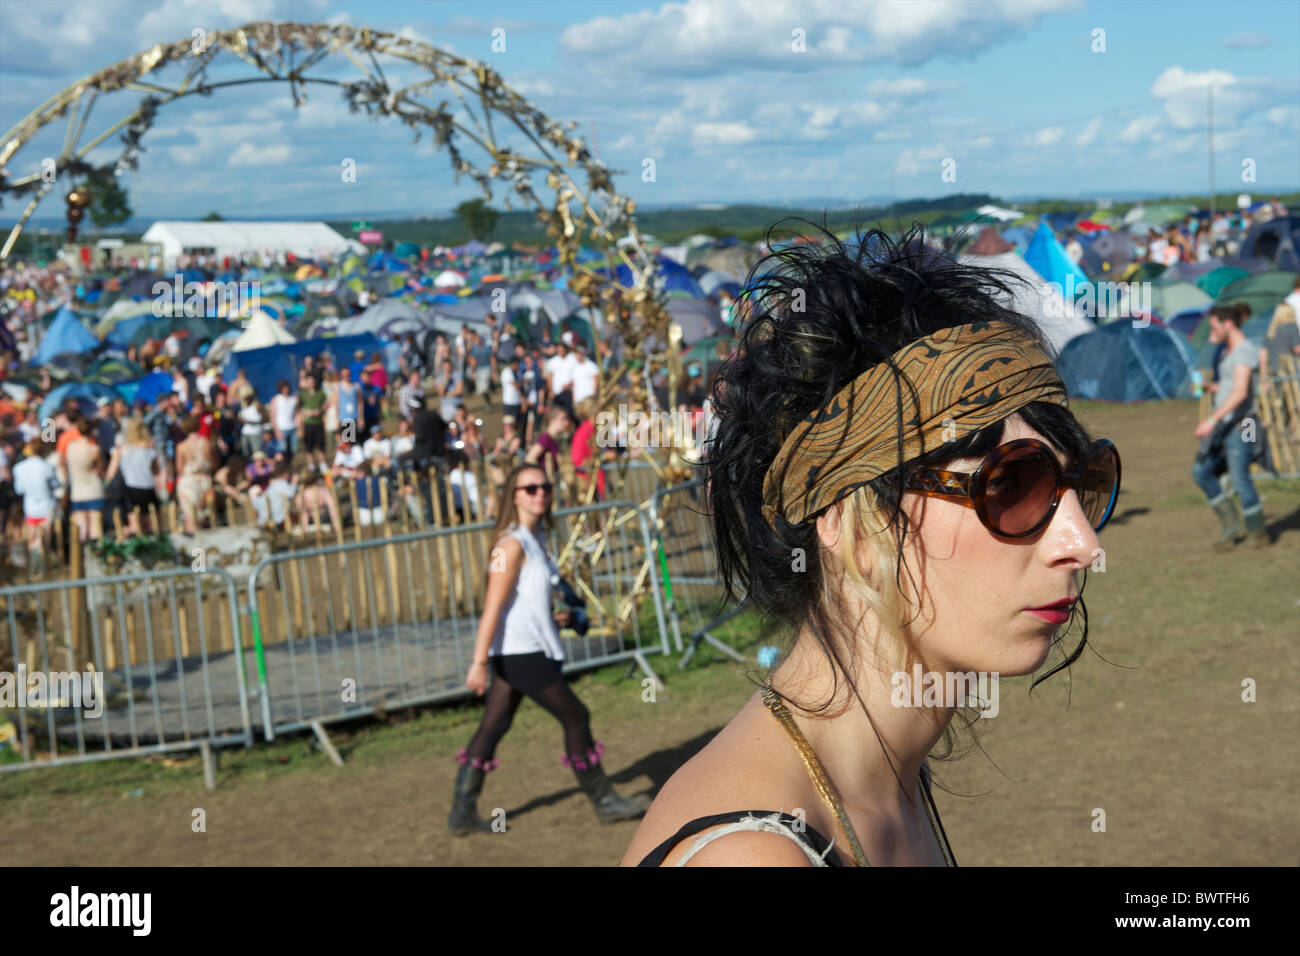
1230	518
1256	534
609	804
464	818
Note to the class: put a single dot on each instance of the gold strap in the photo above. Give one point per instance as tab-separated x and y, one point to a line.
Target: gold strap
827	789
815	771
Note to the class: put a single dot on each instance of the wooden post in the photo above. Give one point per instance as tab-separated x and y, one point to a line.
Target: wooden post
363	594
390	553
426	579
78	604
450	556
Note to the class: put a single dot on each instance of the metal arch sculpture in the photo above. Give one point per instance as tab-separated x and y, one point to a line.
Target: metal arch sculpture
285	53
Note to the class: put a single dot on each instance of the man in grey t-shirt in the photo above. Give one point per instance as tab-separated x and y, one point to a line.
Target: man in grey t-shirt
1233	448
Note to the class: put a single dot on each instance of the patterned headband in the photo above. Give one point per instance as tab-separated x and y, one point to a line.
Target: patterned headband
966	377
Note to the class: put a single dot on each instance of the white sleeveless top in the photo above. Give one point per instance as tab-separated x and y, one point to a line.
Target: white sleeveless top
526	625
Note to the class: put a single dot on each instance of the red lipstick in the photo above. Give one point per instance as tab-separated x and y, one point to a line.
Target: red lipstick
1057	613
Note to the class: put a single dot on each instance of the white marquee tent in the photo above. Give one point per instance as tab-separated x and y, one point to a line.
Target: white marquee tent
262	332
304	239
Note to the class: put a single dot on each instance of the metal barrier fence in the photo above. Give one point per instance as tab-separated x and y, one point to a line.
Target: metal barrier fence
342	631
688	569
163	646
337	631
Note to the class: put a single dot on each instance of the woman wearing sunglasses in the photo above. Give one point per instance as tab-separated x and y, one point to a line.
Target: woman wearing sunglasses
519	643
896	477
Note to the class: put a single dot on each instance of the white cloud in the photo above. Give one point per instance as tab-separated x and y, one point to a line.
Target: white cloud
249	155
703	36
1246	41
723	134
1287	117
1089	133
1047	136
908	88
927	159
1186	100
1139	129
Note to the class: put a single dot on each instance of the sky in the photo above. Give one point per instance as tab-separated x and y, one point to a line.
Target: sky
708	101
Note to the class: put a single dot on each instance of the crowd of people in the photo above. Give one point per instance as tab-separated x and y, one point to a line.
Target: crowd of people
218	449
1191	239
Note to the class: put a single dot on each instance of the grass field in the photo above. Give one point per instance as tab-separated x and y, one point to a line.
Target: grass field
1149	726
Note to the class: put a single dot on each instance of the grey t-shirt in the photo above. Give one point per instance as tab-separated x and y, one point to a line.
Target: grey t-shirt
1245	354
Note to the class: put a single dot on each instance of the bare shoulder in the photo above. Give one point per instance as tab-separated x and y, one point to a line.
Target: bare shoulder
743	768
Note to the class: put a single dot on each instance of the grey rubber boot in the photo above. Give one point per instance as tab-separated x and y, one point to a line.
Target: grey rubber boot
1256	534
464	818
1230	518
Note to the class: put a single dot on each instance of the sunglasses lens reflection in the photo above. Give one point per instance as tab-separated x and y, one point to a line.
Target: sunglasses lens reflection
1019	491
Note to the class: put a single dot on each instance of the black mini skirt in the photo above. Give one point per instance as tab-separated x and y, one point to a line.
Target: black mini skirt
527	673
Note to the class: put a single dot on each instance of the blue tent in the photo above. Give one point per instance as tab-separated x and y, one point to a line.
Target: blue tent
1048	259
675	276
86	393
1018	236
1060	221
264	368
148	388
1124	362
122	333
386	262
65	334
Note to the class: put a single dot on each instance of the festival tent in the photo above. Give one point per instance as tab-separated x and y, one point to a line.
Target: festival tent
65	334
699	318
148	389
1107	254
1275	240
554	304
1018	236
714	279
1213	282
124	331
1187	323
1061	221
1125	362
86	394
112	370
1147	272
1190	271
388	317
1168	299
1032	296
304	239
262	332
120	310
1047	257
264	368
197	326
1261	292
386	262
674	276
217	351
141	284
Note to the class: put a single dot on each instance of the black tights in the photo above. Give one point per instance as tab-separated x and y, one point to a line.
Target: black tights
501	702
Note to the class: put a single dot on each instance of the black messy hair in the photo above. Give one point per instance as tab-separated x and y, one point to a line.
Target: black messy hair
815	316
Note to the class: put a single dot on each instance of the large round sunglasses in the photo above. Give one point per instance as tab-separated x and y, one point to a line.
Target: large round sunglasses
1017	487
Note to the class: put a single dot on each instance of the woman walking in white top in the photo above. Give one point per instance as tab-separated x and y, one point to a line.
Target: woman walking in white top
518	641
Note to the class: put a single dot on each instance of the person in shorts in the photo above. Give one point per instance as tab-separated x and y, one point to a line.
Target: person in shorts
311	415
